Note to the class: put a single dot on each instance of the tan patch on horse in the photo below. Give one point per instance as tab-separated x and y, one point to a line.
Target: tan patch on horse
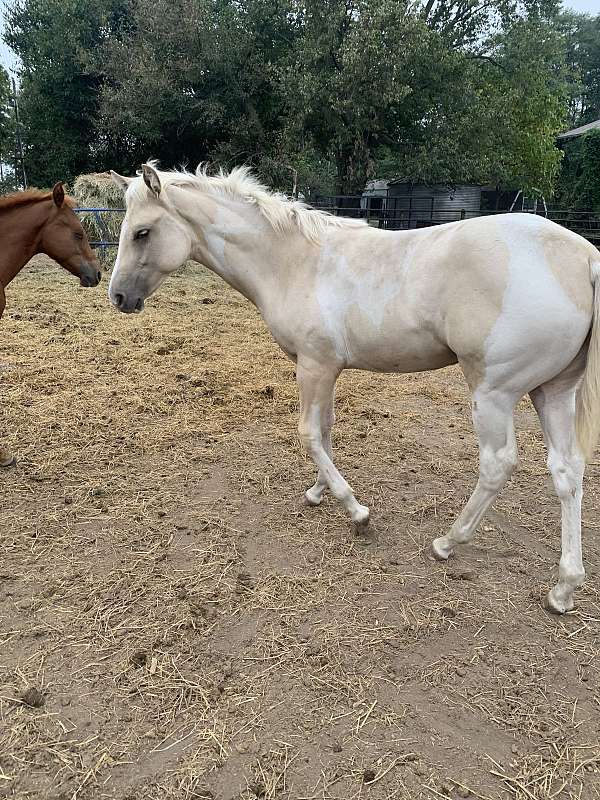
573	274
384	327
474	300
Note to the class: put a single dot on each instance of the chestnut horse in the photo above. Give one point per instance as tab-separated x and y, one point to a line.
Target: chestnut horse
35	222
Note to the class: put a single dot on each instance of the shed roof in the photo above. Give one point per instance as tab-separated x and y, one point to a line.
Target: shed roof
579	131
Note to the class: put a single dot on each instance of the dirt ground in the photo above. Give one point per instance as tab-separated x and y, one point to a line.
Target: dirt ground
192	631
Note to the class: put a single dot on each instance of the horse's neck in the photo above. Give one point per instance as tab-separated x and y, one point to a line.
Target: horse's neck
19	237
242	248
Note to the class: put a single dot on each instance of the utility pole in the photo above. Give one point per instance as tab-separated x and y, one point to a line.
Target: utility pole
19	159
295	184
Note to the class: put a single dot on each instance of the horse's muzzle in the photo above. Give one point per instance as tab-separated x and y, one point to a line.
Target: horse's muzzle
128	303
89	275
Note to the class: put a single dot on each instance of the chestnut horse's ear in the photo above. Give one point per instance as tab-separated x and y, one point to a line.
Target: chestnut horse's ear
58	194
120	180
151	178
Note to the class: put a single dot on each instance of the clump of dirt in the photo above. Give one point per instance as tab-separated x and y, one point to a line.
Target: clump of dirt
33	697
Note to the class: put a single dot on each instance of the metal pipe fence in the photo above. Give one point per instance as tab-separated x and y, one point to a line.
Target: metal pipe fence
99	227
421	214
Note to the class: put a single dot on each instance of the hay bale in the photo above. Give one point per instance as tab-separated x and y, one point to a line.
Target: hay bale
97	190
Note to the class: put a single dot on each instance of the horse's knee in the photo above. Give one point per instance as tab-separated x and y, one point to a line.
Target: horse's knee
567	474
309	438
496	467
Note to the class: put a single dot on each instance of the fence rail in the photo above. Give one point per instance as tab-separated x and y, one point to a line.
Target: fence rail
100	226
421	215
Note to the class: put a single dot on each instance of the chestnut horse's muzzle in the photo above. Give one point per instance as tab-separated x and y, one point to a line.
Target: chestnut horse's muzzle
89	275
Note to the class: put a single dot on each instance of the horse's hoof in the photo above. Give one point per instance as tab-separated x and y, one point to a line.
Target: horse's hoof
311	500
361	522
558	605
10	461
438	551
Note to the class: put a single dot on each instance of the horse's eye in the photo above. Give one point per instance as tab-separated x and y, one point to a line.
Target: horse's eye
79	236
141	234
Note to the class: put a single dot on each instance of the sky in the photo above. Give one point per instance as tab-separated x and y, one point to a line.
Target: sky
585	6
8	60
7	57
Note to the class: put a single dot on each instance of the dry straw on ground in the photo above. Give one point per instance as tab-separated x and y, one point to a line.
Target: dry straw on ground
193	631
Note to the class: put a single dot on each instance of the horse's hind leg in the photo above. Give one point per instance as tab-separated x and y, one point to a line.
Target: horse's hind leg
316	383
555	405
493	421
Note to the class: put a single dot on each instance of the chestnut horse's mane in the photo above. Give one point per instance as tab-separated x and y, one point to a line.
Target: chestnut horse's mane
16	199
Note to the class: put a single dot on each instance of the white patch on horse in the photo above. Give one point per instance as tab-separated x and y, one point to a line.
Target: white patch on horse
534	307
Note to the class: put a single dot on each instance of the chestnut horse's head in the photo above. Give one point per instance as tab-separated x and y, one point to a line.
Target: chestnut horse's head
64	240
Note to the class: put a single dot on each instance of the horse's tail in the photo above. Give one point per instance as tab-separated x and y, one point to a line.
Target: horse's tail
587	413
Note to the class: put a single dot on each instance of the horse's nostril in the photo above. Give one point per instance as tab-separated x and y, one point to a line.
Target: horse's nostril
119	300
98	276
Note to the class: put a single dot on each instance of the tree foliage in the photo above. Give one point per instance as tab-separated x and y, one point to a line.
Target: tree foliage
579	184
59	96
582	39
7	133
5	114
333	91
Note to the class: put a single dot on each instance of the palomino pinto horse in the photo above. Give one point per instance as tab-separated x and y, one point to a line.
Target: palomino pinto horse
514	299
35	222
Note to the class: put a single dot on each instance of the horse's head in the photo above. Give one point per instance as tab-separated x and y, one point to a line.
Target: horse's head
65	241
155	241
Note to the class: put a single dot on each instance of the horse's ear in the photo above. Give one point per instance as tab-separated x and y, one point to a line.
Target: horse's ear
58	194
120	180
151	179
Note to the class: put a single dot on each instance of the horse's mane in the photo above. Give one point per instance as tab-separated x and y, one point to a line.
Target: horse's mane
17	199
281	213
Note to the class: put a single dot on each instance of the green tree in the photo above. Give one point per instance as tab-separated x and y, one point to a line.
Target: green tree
347	82
8	177
440	95
197	79
530	101
59	93
579	183
6	130
330	91
582	42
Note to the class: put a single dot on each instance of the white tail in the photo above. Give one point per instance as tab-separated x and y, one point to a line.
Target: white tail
587	414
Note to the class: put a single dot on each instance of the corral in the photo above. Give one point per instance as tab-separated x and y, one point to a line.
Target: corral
194	631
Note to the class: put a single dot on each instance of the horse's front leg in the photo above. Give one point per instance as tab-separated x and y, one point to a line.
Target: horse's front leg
314	495
316	383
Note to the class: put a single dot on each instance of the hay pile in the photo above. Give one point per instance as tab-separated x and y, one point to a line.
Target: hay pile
97	190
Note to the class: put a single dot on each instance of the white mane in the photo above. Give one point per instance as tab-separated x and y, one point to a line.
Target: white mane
281	213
